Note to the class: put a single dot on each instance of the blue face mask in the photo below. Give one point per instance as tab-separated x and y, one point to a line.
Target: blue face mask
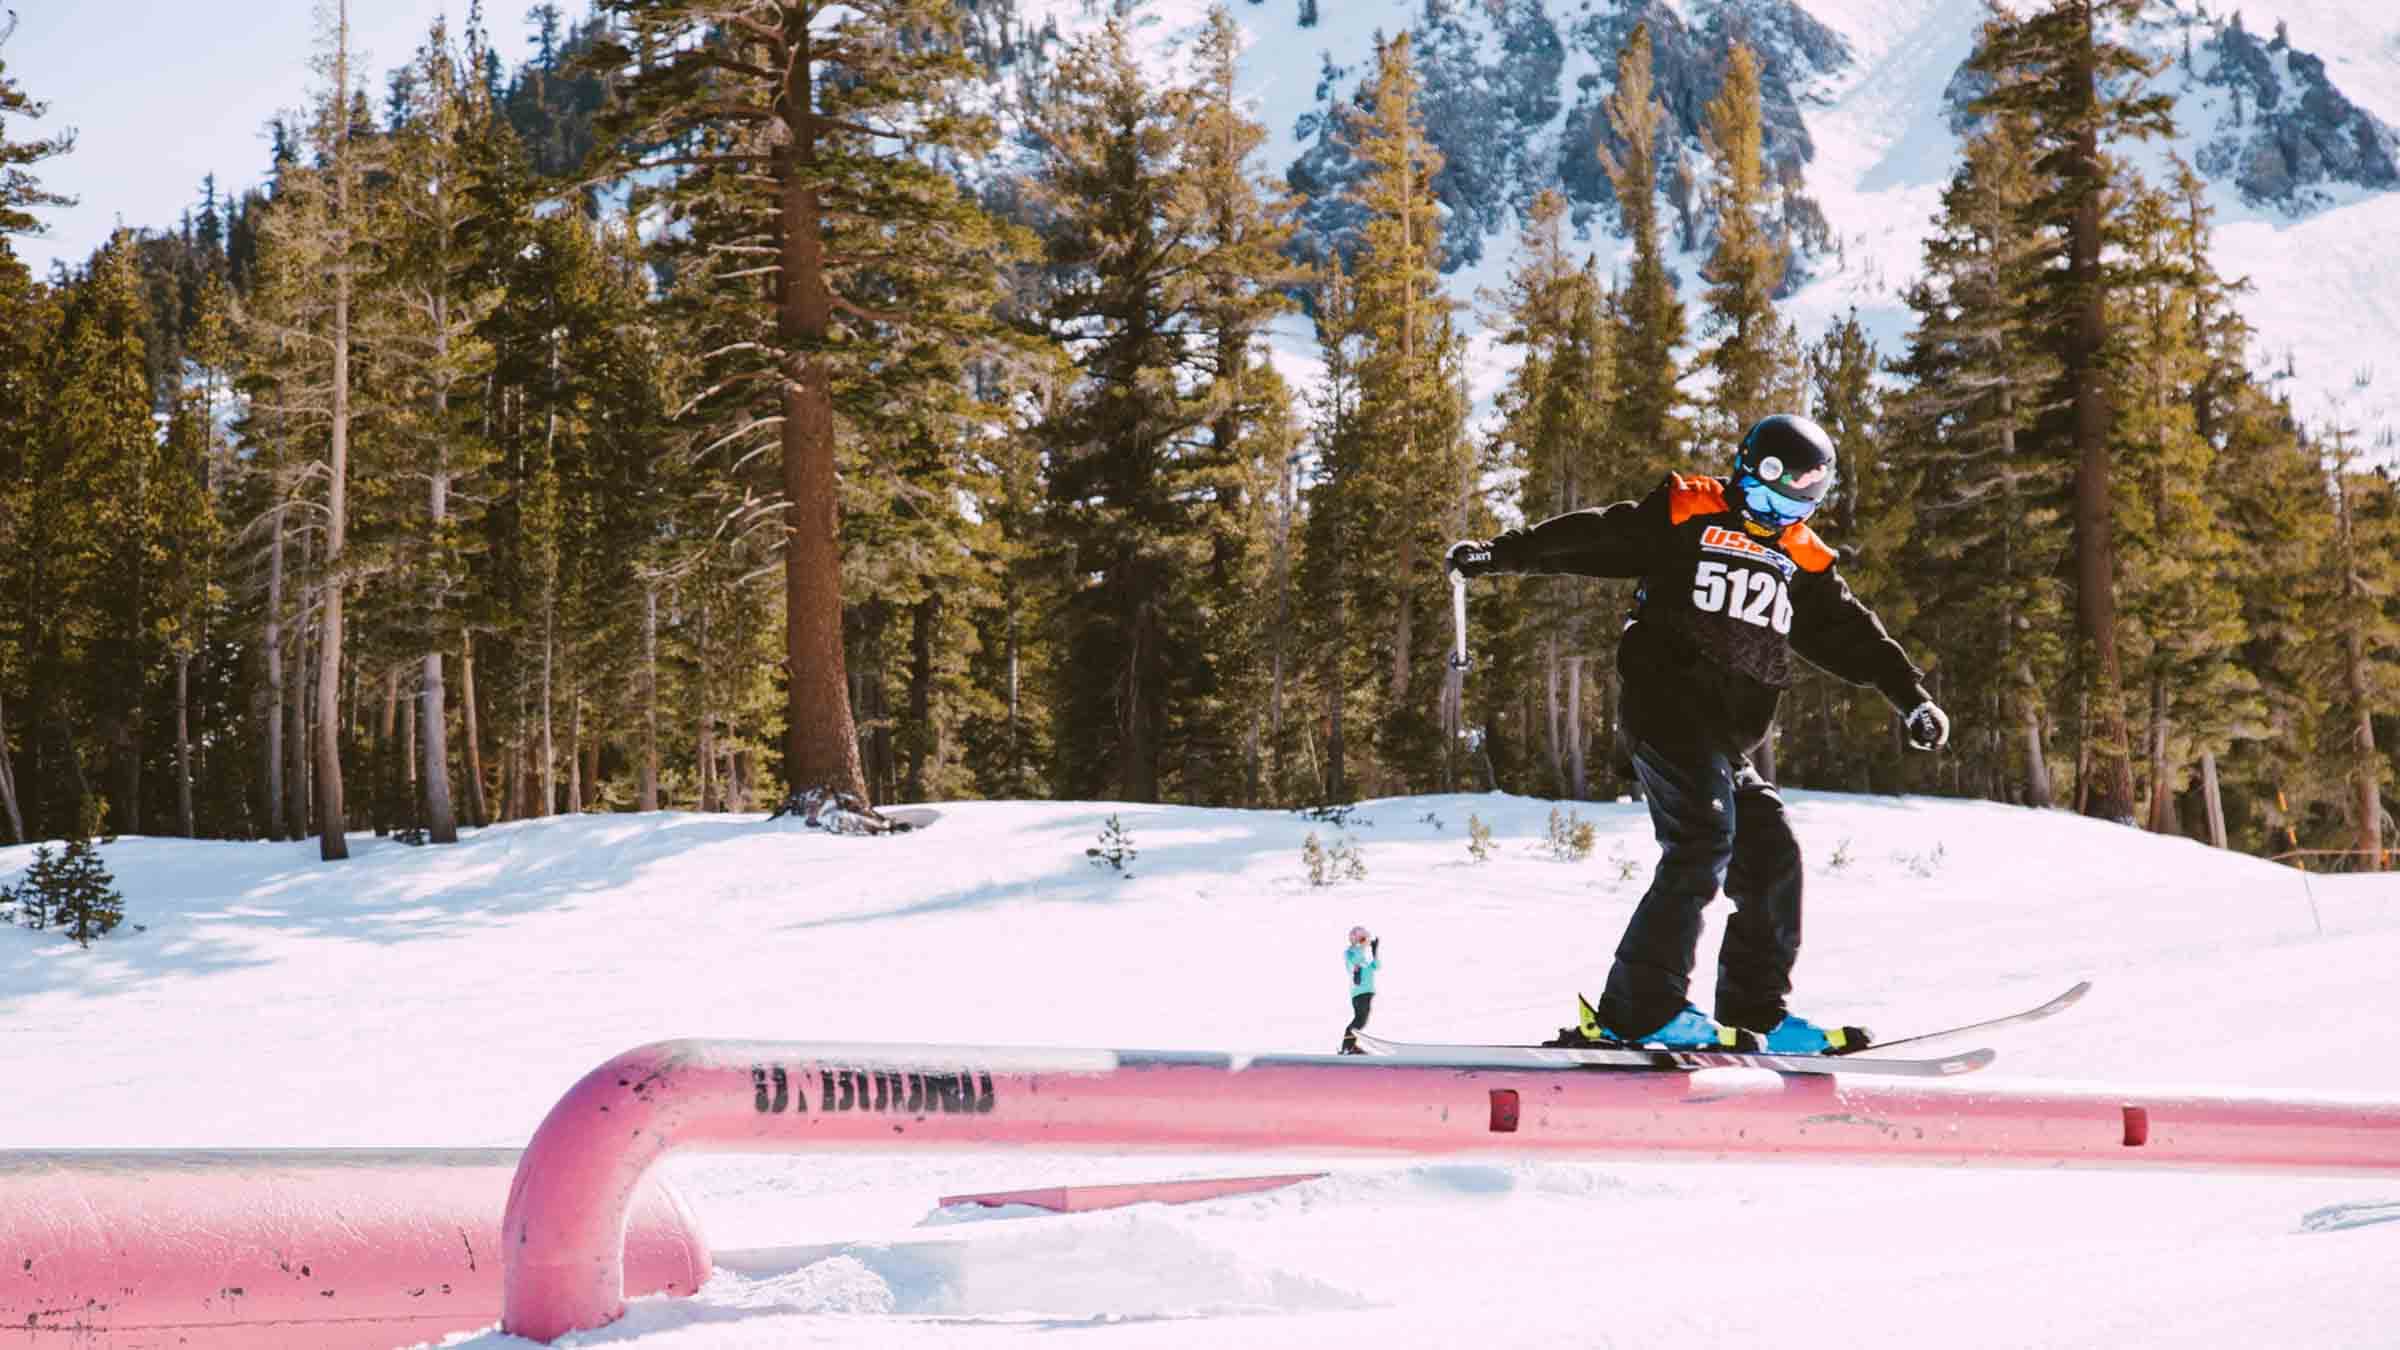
1764	504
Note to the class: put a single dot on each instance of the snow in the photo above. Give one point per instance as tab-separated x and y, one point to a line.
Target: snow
447	996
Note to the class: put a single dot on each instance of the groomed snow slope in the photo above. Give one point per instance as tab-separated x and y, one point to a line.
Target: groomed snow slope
448	996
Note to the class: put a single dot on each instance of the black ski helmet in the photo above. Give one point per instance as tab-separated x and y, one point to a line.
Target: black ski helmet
1784	468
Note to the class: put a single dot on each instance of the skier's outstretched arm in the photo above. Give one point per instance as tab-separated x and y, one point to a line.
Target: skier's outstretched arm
1835	631
1617	540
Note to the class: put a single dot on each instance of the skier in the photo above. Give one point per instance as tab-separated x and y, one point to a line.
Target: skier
1364	957
1733	582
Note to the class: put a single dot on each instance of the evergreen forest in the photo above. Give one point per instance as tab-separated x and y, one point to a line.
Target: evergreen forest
742	402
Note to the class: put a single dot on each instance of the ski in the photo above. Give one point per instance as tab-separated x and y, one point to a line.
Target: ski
1646	1057
2035	1014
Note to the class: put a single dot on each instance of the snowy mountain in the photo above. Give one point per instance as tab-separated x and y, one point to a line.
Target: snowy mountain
2285	107
448	996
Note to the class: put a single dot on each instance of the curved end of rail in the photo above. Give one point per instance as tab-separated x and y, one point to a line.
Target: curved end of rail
563	1233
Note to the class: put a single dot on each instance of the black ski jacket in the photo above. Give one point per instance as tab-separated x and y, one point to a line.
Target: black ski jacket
1707	651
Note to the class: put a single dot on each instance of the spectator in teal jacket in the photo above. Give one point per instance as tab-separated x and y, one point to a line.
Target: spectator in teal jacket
1364	958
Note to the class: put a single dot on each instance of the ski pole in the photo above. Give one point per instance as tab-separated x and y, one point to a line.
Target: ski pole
1458	619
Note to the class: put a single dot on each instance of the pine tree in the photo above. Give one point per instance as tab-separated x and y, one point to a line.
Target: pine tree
1555	423
2180	559
434	294
1836	735
1245	230
90	546
319	240
2077	92
183	538
1648	426
1127	480
1336	534
28	320
1748	358
20	192
83	894
70	888
807	138
2364	630
1407	469
1987	558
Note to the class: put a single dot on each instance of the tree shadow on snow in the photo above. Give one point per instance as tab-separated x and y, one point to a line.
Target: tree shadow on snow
1080	880
210	907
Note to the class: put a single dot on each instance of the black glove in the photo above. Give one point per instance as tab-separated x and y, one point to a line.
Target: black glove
1468	558
1375	946
1928	727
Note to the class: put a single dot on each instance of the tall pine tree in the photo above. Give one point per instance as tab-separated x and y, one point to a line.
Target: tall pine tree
2077	92
805	139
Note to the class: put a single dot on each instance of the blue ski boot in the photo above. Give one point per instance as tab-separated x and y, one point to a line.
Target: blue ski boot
1690	1029
1796	1035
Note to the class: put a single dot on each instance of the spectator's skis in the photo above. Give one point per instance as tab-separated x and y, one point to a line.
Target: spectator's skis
1646	1057
1861	1061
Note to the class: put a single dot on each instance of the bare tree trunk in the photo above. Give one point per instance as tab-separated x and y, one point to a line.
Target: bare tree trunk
1576	741
183	745
387	756
821	737
923	618
2213	798
275	705
1335	694
332	823
1283	621
520	801
1558	743
2162	789
506	763
1137	771
1404	616
408	753
549	775
648	800
574	752
2366	806
2095	552
1763	758
441	821
297	795
2037	767
8	786
478	811
1015	678
2357	611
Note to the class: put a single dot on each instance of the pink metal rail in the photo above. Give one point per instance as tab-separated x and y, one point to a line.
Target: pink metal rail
277	1249
565	1224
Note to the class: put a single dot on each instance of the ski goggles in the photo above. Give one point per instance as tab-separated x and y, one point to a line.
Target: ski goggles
1766	503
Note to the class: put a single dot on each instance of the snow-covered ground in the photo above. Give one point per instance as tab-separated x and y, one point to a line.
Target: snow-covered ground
449	996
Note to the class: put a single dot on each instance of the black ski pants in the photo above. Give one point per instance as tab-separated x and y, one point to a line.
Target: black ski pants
1718	823
1360	1006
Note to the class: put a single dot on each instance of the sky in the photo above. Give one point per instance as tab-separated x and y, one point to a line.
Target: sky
162	93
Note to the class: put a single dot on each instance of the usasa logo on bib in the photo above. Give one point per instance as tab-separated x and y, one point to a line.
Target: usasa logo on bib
1718	539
